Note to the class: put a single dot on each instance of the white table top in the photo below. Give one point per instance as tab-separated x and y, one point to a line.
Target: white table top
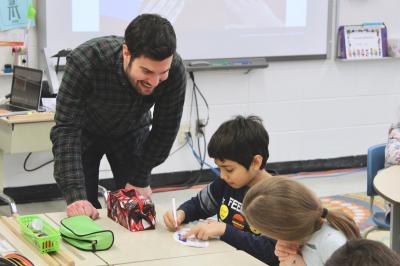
233	258
80	258
146	245
387	183
20	245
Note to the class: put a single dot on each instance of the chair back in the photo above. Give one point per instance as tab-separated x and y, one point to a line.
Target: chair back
375	162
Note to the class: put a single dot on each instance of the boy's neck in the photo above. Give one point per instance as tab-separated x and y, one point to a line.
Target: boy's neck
261	174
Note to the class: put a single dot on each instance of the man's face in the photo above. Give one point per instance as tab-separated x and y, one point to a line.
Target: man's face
144	73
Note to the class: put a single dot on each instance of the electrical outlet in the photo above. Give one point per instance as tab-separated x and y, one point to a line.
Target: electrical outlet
200	125
183	130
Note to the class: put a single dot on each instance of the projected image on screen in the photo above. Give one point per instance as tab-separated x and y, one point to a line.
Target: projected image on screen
239	14
205	29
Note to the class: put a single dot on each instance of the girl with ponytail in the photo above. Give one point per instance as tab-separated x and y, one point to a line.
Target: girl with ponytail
286	210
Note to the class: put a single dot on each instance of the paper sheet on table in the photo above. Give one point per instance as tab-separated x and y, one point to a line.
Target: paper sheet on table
49	104
190	241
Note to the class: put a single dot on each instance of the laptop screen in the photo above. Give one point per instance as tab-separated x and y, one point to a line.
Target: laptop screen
26	87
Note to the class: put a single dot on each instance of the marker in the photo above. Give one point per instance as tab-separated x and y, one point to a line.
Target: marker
174	212
199	63
241	62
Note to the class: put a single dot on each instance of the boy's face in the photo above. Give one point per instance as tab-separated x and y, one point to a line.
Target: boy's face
236	175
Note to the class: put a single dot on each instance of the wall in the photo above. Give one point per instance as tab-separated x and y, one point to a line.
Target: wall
312	109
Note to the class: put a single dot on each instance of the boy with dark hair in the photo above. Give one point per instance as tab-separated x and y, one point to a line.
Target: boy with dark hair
364	252
240	149
103	108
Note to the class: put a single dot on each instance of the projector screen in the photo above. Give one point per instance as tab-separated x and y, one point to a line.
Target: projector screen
206	29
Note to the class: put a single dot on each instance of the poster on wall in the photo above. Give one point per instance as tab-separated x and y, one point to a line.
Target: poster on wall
14	14
366	41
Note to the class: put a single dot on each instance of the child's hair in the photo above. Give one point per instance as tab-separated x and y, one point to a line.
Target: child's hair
363	252
239	140
285	209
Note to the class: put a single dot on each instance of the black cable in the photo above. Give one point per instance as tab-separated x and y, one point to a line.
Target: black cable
177	149
206	103
197	125
34	169
196	88
199	130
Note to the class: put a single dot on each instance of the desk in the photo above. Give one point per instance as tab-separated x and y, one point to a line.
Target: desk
23	133
233	258
387	184
150	245
80	258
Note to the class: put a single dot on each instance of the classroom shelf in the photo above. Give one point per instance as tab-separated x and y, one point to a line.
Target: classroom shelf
367	59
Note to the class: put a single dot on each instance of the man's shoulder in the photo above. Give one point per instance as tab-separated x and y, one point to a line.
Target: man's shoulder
177	65
104	42
103	49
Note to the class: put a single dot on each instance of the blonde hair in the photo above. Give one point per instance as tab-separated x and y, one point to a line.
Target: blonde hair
282	208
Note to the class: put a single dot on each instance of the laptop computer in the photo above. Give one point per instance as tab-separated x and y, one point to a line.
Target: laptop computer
26	89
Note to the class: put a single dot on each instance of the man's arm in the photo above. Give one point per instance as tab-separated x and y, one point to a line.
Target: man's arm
66	134
166	120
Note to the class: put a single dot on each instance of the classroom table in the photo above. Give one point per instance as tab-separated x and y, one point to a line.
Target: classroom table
149	245
10	231
23	133
387	184
230	258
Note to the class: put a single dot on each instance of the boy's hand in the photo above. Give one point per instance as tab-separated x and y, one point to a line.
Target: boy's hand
169	219
207	230
285	250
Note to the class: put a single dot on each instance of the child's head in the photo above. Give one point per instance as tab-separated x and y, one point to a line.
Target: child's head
240	149
239	140
363	252
285	209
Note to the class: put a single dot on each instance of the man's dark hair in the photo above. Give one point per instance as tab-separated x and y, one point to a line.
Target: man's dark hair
363	252
239	140
152	36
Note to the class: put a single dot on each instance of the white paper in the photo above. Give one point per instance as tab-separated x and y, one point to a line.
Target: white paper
190	241
49	104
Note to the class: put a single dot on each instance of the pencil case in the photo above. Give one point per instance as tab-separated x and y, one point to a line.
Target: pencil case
131	210
85	234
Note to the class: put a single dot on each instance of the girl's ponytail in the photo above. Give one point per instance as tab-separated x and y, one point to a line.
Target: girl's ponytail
342	222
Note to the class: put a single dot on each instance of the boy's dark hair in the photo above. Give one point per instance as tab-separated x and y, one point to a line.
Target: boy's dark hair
152	36
363	252
239	140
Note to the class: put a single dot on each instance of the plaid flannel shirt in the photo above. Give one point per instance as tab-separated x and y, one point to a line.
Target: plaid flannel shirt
96	96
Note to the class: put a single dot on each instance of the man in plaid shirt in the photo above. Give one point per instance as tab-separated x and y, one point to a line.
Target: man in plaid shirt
103	107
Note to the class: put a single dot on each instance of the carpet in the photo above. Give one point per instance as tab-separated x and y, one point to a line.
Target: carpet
357	206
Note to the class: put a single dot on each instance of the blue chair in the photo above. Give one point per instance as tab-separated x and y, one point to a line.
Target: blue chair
375	162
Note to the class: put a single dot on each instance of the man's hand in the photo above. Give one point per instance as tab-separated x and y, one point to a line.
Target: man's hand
82	207
207	230
169	219
144	191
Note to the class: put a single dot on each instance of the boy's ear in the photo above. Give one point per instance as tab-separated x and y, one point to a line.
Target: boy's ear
257	161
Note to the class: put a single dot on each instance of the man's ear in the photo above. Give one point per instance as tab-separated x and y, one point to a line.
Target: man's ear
257	161
125	50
